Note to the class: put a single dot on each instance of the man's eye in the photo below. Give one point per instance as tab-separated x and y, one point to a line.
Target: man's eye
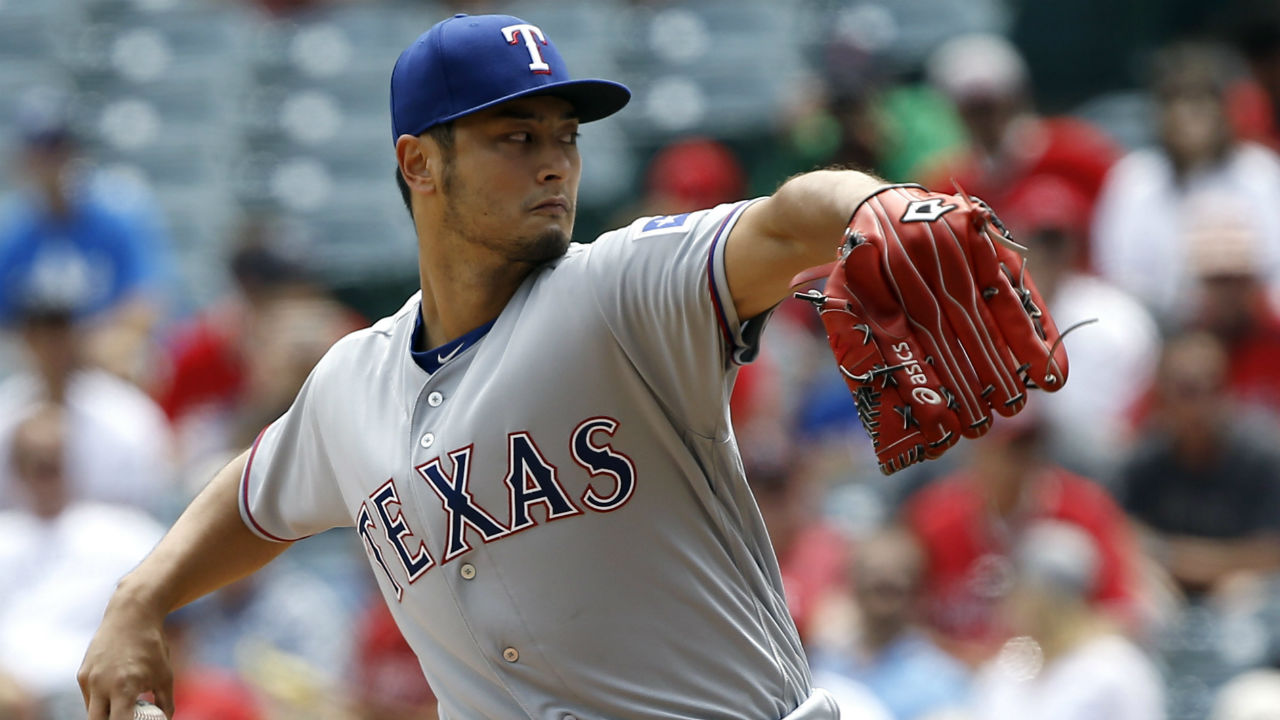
522	137
572	138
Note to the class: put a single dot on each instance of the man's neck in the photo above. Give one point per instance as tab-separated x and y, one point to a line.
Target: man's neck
56	385
56	201
461	292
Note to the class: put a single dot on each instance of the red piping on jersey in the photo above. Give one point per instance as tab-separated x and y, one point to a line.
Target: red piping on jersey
729	339
244	492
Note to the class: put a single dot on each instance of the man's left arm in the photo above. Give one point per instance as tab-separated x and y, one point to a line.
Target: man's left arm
800	226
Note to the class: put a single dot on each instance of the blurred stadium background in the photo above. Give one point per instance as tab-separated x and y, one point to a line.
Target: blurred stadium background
226	108
243	149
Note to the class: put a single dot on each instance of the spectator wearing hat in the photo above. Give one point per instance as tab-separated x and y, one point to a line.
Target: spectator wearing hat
1233	305
118	443
1089	422
812	553
969	525
1009	142
99	239
1067	661
887	651
1204	482
231	366
1152	195
60	557
388	683
1253	101
692	174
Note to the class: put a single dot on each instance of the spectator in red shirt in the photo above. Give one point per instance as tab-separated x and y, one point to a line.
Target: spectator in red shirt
1234	307
237	365
202	691
1112	360
388	683
691	174
1254	102
208	354
1009	143
970	524
812	554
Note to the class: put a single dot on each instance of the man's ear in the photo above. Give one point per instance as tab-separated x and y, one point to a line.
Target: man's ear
415	165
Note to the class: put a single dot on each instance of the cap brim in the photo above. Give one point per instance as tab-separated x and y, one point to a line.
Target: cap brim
591	99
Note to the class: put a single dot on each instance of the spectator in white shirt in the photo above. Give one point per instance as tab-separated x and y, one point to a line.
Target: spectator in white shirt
1112	360
1140	222
1069	662
1252	695
60	559
118	440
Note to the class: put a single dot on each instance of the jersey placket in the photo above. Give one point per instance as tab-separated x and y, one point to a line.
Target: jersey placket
446	478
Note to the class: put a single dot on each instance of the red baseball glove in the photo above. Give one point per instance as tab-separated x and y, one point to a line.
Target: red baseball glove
934	321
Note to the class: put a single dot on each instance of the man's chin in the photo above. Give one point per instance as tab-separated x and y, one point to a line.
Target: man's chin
546	246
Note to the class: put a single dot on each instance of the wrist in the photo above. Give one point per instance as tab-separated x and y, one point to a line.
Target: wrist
137	597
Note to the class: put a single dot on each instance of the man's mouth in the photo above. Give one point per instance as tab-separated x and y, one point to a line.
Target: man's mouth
554	205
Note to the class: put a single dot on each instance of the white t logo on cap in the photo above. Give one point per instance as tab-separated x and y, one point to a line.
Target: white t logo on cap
532	36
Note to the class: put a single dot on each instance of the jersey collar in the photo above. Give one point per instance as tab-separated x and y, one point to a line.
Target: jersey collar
432	360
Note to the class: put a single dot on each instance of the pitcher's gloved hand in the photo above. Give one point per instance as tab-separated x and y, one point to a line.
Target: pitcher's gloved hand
934	321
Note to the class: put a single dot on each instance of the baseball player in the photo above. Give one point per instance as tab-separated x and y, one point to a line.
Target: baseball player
535	449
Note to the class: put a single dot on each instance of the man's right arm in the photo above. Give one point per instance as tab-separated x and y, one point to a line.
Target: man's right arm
208	547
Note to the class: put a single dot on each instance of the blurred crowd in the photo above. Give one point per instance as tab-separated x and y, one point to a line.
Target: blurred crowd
1112	553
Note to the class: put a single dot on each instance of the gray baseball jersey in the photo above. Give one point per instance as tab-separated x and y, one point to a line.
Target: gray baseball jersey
554	505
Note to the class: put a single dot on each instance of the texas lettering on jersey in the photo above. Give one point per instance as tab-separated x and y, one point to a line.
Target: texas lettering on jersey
531	480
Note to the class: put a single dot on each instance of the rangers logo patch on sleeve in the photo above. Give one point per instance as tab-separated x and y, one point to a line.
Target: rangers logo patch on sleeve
664	224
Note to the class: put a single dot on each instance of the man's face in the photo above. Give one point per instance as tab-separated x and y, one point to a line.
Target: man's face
45	165
51	342
1192	383
987	116
37	462
1193	123
1227	304
1052	251
512	181
886	583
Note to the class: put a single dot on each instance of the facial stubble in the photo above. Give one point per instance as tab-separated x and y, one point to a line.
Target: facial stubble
547	245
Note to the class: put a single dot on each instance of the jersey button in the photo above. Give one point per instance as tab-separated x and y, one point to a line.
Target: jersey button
434	399
427	440
511	655
467	571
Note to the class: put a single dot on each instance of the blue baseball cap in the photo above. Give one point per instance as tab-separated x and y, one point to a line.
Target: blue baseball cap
471	62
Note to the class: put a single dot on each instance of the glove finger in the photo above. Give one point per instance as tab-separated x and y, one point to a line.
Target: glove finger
937	254
1018	310
858	358
907	293
923	399
1048	358
897	439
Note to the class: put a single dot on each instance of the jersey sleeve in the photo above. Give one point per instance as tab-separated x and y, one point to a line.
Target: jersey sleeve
289	489
661	285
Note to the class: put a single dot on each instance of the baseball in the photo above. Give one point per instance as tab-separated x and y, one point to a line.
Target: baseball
144	710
